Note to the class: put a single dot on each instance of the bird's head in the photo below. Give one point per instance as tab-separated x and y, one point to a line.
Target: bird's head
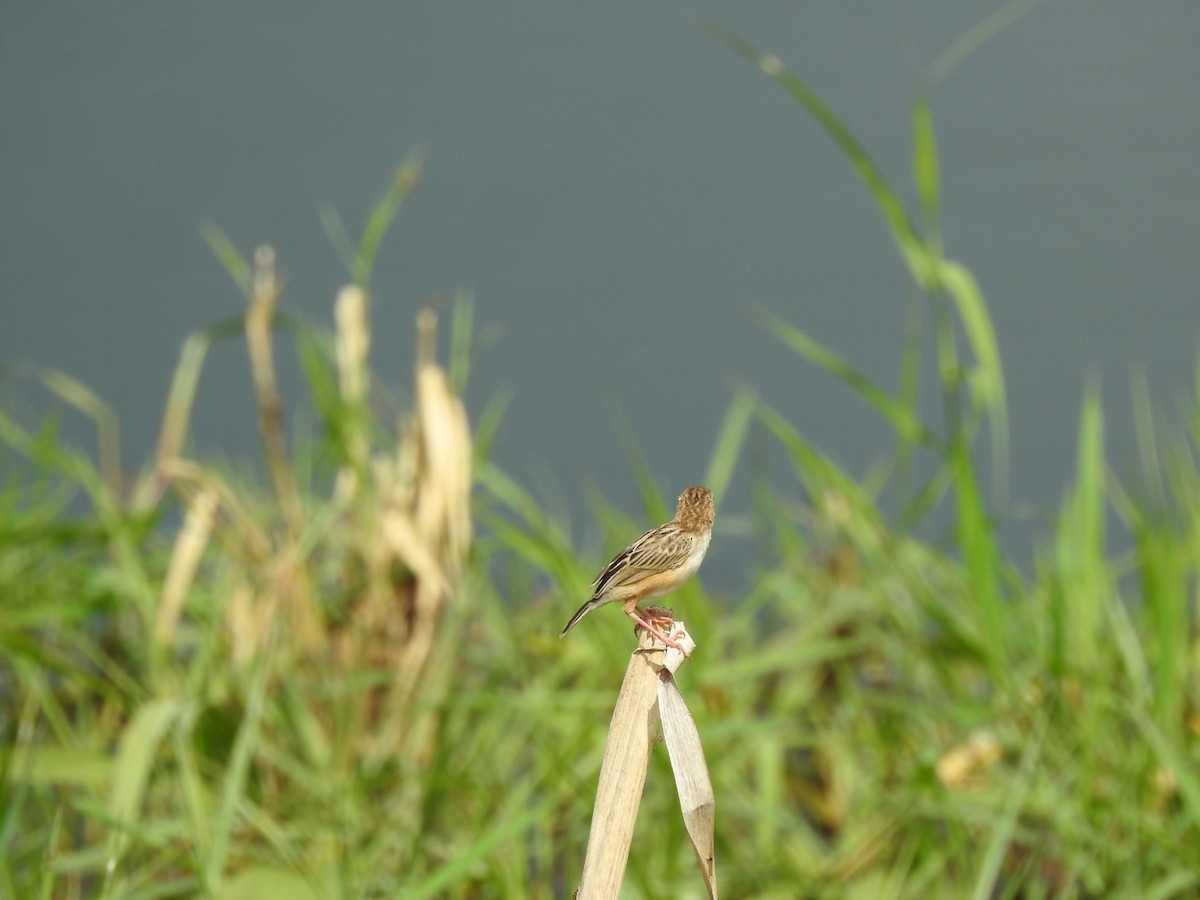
696	507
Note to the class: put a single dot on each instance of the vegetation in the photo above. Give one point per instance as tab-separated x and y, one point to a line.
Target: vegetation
311	682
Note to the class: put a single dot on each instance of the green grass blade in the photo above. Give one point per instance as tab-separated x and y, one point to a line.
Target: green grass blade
1164	564
487	427
900	415
454	872
1081	542
653	504
1179	763
82	398
979	35
259	882
728	446
909	397
461	334
339	237
987	378
537	538
132	770
889	203
981	555
925	171
382	216
816	471
236	773
1004	831
229	257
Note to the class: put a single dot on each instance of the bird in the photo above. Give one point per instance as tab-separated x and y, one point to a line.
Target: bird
657	563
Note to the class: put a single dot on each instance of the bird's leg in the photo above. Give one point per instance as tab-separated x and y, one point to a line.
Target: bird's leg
658	615
635	614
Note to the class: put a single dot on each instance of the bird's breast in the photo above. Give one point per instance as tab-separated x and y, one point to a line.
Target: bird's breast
676	578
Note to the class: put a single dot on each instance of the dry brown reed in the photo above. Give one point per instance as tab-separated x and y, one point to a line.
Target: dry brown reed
356	585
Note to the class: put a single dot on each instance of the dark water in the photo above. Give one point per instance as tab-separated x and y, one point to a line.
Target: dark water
618	191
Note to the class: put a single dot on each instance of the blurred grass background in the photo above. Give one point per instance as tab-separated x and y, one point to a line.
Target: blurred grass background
336	673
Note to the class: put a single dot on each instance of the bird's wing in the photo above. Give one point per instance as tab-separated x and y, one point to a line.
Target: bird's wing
659	550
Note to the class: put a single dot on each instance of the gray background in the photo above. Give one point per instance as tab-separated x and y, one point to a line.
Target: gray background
618	191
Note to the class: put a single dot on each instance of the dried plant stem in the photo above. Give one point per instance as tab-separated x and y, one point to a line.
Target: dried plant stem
696	797
649	697
354	377
434	534
631	737
263	301
185	559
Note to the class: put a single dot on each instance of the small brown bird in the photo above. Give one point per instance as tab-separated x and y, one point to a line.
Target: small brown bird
657	563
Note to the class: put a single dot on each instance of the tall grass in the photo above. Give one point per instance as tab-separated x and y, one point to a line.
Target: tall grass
325	681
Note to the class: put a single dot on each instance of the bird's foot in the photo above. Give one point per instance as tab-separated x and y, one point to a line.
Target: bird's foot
653	618
659	615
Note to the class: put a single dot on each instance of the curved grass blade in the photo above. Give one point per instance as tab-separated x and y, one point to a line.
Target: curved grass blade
901	416
987	377
730	438
78	395
903	232
229	257
979	35
382	216
926	172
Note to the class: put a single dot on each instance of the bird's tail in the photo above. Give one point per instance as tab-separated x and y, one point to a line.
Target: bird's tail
580	613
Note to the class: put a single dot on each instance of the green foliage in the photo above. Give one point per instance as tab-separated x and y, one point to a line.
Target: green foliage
237	685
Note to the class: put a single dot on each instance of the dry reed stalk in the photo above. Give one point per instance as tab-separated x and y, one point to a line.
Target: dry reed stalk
185	560
261	583
288	583
263	302
401	526
353	346
275	571
696	797
435	547
413	509
241	534
649	699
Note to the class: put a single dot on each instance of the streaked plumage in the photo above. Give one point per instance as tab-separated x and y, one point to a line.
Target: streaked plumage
657	563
